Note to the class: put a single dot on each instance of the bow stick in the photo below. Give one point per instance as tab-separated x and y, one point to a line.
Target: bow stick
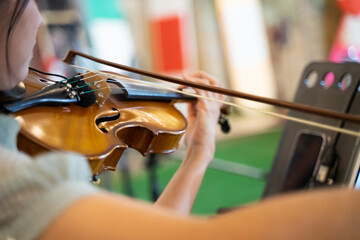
228	92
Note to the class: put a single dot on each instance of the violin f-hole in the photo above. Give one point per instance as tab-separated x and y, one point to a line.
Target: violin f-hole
103	119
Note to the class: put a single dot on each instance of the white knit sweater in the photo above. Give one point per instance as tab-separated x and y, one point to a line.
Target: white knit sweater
34	191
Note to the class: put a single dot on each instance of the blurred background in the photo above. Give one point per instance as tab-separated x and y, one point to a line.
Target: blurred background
257	47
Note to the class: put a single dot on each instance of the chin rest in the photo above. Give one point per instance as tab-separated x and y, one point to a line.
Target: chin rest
13	94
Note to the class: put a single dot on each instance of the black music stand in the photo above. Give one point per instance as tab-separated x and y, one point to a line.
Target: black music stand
309	156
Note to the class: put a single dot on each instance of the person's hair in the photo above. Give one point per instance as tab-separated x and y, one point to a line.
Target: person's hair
16	14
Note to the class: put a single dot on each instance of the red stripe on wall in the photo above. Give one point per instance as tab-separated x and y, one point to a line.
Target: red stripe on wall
167	44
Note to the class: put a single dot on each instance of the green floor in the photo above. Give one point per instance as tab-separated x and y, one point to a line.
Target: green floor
222	189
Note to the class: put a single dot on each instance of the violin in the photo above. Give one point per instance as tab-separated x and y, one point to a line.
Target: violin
99	117
116	118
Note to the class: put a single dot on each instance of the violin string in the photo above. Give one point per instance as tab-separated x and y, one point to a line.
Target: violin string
79	75
67	79
88	84
102	80
95	82
286	117
93	90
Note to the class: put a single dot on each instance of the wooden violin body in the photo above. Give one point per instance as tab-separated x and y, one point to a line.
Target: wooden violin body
99	132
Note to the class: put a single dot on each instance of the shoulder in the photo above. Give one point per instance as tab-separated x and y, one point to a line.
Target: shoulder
39	188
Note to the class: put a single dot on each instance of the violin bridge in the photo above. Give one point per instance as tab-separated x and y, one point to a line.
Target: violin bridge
99	85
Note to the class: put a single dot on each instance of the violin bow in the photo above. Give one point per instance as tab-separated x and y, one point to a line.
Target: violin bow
228	92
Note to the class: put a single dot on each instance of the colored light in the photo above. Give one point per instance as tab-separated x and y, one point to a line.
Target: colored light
352	53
